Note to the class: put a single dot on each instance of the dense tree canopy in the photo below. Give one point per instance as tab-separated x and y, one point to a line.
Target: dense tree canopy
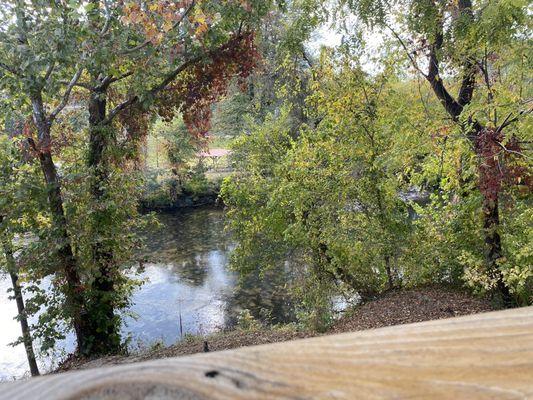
389	179
397	157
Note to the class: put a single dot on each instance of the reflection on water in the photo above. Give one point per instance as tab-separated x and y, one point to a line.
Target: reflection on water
12	360
186	271
188	289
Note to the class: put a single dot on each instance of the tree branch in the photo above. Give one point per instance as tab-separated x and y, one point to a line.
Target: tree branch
450	104
120	77
11	69
66	95
157	88
49	71
518	153
108	80
486	77
307	58
153	91
411	58
468	83
107	22
469	67
508	120
118	109
83	85
176	24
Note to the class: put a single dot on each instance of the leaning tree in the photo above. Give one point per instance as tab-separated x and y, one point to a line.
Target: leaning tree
40	47
458	46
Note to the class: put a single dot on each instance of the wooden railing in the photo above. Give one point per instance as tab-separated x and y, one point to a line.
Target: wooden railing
483	356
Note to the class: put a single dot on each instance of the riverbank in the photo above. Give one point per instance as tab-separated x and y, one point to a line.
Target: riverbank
392	308
164	202
169	195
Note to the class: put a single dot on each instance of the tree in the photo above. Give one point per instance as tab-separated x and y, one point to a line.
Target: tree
458	44
11	176
38	40
176	58
206	45
331	194
11	267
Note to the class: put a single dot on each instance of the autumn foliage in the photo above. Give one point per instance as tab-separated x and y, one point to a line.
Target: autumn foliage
499	163
205	82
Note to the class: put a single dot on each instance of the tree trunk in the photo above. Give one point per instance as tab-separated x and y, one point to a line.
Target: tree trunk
455	108
383	223
490	187
74	290
493	249
26	335
390	275
104	319
22	317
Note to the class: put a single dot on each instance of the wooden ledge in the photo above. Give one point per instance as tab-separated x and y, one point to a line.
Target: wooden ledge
483	356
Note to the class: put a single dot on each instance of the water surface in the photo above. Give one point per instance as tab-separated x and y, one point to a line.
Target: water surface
189	289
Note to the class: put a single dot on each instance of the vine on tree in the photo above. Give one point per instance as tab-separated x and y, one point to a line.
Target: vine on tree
498	163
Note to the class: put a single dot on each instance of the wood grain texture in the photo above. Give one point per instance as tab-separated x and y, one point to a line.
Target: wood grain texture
483	356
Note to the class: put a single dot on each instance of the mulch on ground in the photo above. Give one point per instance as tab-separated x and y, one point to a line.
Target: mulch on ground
408	306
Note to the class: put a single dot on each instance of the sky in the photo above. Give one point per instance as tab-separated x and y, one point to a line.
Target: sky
330	37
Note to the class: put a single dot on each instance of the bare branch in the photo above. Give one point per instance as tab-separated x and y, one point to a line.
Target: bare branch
512	151
307	58
426	110
486	77
83	85
49	71
108	80
407	51
107	22
136	48
508	120
113	79
66	95
121	107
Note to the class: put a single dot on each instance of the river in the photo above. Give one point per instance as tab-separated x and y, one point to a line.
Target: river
187	279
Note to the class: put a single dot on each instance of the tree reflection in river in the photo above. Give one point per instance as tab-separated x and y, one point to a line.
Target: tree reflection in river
193	248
